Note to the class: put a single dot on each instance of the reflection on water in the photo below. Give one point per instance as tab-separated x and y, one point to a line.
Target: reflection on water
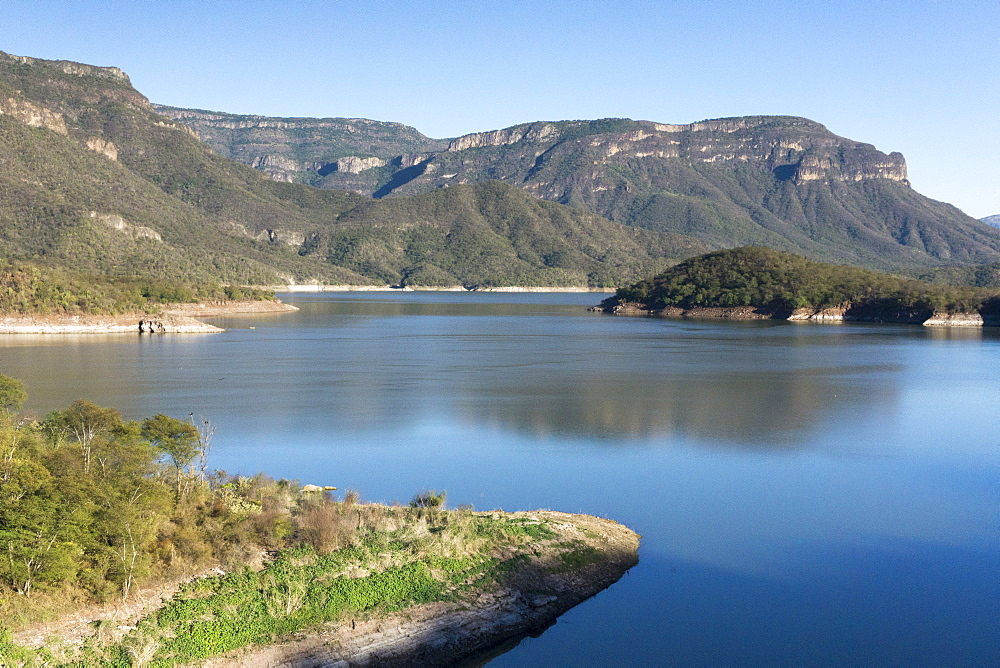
544	370
806	493
737	408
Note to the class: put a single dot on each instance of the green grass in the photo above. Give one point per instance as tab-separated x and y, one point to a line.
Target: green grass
426	559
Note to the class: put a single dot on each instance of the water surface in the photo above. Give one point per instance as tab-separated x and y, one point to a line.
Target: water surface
807	494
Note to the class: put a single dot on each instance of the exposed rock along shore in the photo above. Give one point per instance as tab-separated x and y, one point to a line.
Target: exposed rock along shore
174	319
839	314
439	634
474	626
318	287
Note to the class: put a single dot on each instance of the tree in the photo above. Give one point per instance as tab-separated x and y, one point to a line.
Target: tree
178	441
12	394
206	431
87	421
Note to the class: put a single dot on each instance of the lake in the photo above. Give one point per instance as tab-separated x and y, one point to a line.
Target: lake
807	494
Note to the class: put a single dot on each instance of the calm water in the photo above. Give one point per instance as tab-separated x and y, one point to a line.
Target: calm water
807	494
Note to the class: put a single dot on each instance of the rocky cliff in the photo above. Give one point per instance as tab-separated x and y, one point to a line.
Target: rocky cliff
302	149
93	180
778	181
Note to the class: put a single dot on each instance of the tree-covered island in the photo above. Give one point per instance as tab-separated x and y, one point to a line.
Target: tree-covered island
755	282
101	516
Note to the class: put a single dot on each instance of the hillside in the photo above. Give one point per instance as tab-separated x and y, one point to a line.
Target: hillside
116	535
777	181
777	284
93	180
993	221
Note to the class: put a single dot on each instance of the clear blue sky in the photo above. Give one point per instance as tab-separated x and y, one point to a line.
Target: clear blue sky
919	77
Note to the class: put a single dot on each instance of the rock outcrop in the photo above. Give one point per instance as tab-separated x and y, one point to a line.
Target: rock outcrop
70	67
302	149
845	313
104	147
33	115
119	224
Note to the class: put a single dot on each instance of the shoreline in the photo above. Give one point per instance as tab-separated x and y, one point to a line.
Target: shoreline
829	315
476	624
317	287
434	634
172	319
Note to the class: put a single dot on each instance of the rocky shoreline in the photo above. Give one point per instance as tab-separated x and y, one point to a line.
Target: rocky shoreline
442	634
173	319
584	556
828	315
316	287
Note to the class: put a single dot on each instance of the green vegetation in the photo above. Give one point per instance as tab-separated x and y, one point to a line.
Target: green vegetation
781	282
161	207
980	275
27	288
94	507
783	182
492	234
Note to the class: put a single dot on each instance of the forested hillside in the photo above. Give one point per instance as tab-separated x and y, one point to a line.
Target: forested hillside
777	181
95	182
782	282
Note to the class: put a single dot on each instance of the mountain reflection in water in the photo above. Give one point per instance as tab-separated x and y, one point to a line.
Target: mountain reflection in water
808	494
735	408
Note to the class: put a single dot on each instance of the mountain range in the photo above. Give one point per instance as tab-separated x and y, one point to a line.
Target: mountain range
777	181
96	178
92	178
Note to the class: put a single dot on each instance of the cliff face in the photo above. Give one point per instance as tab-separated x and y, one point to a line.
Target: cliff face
95	181
69	67
780	181
302	149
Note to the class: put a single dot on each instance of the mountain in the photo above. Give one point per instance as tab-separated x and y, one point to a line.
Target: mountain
93	180
779	181
992	220
302	149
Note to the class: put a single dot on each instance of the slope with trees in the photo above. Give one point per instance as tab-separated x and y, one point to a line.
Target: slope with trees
778	284
94	181
94	508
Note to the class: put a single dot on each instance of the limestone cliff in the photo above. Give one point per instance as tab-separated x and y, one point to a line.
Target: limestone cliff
69	67
779	181
302	149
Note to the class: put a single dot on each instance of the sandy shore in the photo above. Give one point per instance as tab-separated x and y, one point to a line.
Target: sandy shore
173	319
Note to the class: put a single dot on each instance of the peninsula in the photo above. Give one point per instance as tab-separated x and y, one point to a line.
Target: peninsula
166	563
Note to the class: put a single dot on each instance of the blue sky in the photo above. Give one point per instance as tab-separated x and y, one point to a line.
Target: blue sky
919	77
